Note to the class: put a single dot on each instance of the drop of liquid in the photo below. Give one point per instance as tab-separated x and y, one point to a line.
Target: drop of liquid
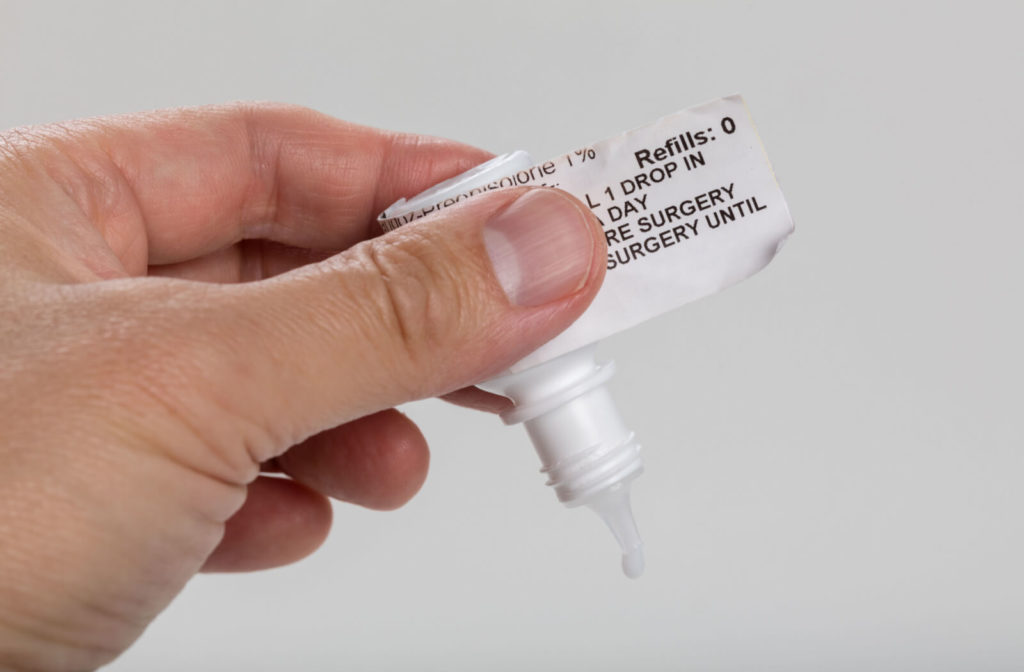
614	507
633	562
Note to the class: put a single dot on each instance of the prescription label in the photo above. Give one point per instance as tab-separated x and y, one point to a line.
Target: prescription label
689	205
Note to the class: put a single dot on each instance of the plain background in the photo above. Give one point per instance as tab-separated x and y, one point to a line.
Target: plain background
833	448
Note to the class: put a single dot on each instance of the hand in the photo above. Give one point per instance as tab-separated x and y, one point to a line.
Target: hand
189	296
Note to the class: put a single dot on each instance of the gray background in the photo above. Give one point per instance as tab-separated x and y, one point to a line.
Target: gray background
833	448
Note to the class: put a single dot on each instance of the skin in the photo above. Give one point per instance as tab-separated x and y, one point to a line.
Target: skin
203	338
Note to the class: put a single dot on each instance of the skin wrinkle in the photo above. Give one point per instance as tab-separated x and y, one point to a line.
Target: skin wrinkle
275	358
225	467
44	255
99	199
139	240
8	151
137	432
415	316
266	155
258	147
365	308
257	437
26	135
393	305
90	188
152	375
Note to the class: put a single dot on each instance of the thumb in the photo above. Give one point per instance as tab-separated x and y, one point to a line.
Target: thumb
432	307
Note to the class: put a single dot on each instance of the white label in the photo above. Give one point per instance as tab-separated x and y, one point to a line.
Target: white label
689	206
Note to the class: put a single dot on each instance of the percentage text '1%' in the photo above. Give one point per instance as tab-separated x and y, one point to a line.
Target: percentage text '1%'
580	155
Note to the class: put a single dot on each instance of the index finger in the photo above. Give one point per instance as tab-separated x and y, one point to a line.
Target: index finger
201	179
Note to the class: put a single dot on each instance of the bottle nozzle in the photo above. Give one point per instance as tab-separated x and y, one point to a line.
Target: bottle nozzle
614	507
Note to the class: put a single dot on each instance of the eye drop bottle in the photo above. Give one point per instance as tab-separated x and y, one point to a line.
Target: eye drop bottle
694	207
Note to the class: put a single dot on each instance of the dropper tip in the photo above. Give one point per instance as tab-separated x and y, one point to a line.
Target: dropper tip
614	508
633	564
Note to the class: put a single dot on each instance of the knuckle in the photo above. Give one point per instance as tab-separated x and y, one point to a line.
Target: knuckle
423	302
69	156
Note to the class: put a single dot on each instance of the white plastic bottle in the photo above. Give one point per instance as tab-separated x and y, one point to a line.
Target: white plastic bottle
690	206
587	452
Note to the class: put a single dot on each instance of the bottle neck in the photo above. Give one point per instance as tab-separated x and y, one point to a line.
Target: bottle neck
575	427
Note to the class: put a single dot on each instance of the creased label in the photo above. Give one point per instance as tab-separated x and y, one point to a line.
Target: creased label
689	206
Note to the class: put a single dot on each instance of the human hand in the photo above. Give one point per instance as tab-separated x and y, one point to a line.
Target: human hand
175	314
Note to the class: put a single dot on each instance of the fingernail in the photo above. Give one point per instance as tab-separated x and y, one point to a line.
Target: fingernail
541	247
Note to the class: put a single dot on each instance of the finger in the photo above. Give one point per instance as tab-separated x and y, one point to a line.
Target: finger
192	181
379	461
479	400
281	522
431	308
